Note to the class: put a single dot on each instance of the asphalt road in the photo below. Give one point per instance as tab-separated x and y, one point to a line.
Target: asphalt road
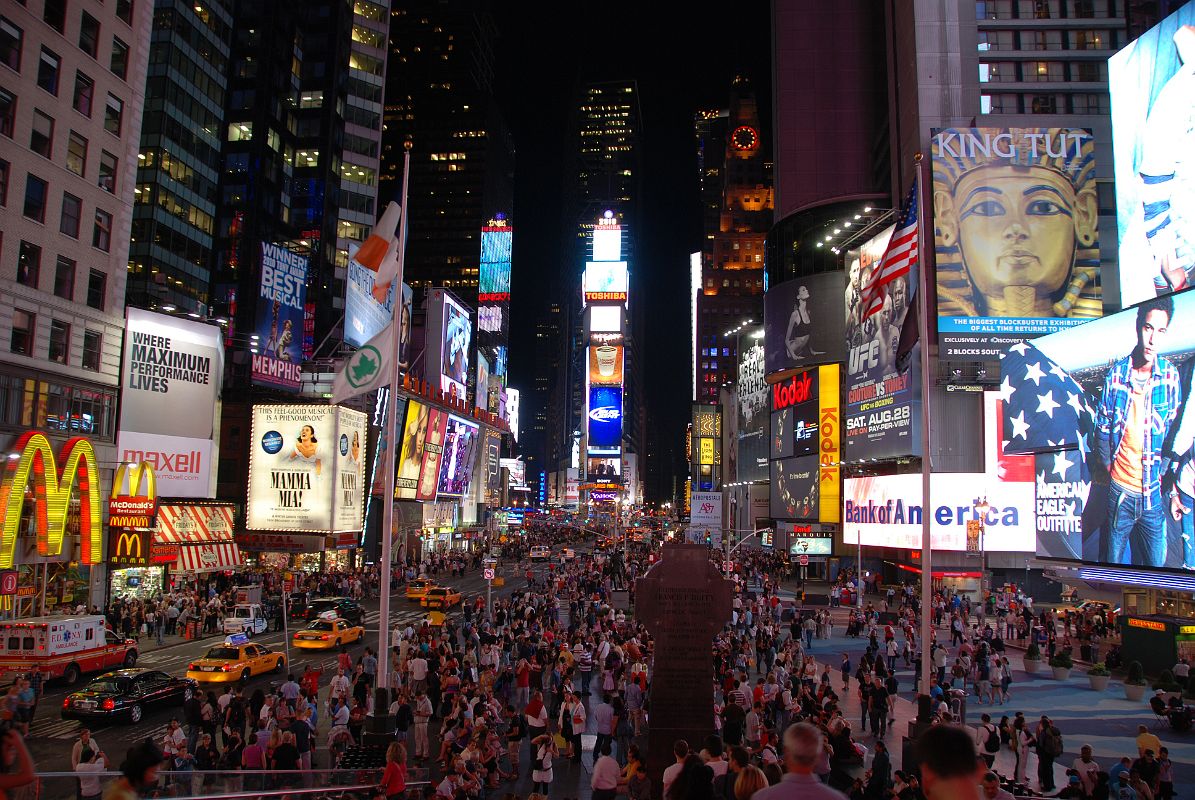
51	737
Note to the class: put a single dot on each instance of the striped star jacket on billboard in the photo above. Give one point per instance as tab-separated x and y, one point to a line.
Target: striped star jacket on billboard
1043	407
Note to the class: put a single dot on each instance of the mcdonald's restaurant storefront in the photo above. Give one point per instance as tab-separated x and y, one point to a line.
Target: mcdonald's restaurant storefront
191	540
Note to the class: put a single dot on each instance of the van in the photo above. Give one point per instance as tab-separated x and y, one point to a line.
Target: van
62	647
540	553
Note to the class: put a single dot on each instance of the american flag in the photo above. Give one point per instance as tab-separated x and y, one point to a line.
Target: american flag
1044	409
899	258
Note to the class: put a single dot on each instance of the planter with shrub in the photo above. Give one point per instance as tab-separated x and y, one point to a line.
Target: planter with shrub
1062	664
1134	682
1032	659
1098	675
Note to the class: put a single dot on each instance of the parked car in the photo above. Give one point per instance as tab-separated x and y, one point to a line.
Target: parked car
125	694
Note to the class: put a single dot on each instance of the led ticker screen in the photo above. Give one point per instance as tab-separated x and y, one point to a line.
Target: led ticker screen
494	278
605	282
605	319
607	243
460	453
605	419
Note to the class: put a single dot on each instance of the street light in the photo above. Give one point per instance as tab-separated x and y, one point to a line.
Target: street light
982	506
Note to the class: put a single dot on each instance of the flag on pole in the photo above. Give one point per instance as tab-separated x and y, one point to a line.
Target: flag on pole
366	370
379	252
899	258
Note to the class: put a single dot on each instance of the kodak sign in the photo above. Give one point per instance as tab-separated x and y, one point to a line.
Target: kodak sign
136	506
33	474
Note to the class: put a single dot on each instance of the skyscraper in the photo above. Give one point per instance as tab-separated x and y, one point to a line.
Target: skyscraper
178	168
603	158
439	95
71	80
732	253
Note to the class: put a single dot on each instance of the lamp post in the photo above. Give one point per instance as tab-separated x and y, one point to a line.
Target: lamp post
982	506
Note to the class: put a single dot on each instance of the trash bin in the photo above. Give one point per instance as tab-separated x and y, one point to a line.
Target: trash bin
190	632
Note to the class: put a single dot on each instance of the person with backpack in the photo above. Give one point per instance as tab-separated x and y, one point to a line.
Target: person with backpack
987	740
1049	747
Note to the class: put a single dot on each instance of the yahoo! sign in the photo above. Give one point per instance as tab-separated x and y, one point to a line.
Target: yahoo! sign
800	388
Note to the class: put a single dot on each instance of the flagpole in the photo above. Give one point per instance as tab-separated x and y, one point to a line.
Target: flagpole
392	435
923	306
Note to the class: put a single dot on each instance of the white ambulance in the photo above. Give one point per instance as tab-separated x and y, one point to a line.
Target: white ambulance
62	647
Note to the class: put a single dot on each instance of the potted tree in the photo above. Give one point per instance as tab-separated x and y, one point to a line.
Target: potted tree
1062	663
1134	682
1098	676
1168	684
1032	659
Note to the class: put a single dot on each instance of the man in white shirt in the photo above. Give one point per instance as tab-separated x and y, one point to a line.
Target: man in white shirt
712	754
417	666
338	687
680	749
90	786
1087	768
174	739
605	775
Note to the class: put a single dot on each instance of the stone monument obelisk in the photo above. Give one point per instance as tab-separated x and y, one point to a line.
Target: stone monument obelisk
684	601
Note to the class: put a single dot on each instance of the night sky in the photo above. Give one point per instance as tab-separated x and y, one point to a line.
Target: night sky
684	59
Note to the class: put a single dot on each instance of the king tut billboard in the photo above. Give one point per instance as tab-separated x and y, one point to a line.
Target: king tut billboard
1016	236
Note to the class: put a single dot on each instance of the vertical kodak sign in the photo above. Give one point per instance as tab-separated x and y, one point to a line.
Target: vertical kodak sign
53	481
829	445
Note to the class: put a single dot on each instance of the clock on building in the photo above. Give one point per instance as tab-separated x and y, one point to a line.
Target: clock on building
744	138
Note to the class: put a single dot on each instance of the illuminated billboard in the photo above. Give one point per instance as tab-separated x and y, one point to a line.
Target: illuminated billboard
1105	411
1016	236
807	540
494	272
278	335
306	469
605	319
433	452
481	395
752	433
1153	103
803	322
887	511
881	412
605	420
178	364
460	454
805	426
511	410
605	365
605	282
365	317
410	461
607	241
449	336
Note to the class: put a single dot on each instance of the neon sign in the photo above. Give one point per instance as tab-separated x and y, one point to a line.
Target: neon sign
138	508
53	481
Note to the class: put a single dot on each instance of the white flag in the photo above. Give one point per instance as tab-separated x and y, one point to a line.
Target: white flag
366	370
379	252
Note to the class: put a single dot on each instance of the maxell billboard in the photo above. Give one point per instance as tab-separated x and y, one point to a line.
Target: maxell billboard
174	364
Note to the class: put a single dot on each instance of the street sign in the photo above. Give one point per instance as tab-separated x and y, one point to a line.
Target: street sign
804	560
488	574
728	567
8	582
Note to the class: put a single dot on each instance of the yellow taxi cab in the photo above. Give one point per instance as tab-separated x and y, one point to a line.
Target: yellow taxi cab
417	588
327	632
237	659
440	597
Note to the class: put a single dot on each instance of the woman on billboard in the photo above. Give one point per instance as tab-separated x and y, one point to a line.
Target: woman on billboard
412	447
1016	215
306	448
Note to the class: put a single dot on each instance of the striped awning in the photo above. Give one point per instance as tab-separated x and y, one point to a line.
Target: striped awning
194	523
208	557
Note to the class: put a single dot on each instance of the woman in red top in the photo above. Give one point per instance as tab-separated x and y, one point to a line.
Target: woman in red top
394	779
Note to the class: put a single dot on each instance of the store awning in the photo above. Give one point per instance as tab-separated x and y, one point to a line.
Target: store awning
209	557
194	523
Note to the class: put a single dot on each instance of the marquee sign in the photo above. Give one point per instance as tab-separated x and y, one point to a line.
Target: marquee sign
53	480
137	508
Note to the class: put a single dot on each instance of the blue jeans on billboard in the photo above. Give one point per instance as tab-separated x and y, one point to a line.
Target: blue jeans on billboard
1187	529
1131	524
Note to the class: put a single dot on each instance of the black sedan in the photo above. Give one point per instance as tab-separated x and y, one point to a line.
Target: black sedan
125	694
345	608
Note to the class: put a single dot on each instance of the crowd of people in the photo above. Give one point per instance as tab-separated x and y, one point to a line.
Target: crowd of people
499	696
